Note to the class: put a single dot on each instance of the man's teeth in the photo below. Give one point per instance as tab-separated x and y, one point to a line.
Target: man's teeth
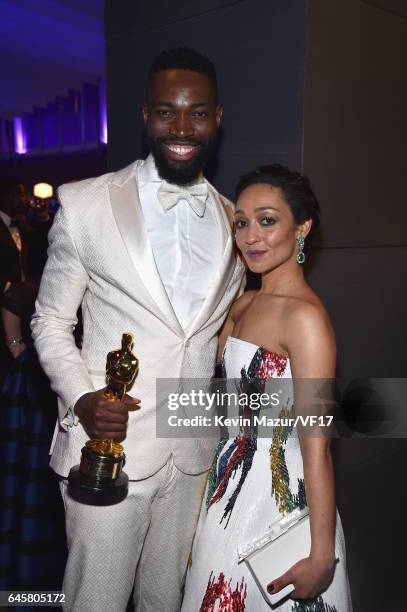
180	150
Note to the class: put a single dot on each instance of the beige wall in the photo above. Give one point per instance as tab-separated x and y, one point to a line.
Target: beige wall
354	151
355	129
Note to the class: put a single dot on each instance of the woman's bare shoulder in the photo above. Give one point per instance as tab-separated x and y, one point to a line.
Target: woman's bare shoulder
241	303
307	321
310	340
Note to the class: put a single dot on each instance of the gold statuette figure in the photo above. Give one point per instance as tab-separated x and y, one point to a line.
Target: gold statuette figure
99	478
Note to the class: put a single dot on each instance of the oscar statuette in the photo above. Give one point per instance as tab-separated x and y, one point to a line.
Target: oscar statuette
99	479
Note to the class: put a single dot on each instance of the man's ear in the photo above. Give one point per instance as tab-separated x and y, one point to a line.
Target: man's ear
146	112
218	114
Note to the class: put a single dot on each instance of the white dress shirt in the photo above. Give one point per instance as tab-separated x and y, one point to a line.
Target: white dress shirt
185	246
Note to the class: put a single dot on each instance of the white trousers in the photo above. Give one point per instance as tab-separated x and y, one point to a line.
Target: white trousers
144	541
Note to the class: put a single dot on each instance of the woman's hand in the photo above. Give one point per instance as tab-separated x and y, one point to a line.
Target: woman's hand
310	577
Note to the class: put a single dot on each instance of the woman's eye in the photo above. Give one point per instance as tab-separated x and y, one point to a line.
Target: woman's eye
267	221
240	223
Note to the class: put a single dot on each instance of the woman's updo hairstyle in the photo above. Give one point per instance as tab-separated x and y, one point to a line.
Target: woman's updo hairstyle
296	190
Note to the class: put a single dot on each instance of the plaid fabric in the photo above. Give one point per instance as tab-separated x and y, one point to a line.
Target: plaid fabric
32	533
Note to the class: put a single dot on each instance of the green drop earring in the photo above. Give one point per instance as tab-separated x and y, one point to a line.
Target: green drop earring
301	254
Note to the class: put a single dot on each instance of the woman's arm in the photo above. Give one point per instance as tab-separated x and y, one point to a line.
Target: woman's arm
12	329
312	349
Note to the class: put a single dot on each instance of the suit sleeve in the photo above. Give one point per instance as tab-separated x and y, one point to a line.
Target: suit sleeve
62	288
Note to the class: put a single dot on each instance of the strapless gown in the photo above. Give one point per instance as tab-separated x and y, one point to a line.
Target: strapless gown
254	481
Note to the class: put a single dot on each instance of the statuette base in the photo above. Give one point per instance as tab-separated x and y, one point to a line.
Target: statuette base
99	479
107	495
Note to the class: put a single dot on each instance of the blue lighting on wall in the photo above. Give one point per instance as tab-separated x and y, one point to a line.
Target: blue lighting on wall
20	137
103	111
78	121
53	55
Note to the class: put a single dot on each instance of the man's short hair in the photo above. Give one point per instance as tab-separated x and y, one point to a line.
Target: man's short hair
182	58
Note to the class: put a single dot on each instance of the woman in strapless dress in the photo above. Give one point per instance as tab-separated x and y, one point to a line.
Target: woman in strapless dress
280	331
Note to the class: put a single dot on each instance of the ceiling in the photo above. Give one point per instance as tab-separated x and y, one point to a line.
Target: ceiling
46	48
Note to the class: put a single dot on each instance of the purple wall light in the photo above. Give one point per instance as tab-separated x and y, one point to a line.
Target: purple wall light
103	111
20	137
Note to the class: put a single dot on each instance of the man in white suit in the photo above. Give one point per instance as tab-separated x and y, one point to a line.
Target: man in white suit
149	250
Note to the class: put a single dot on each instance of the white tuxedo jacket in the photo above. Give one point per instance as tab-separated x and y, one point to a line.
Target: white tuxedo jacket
100	256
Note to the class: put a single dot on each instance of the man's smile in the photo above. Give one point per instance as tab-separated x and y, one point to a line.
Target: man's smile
180	151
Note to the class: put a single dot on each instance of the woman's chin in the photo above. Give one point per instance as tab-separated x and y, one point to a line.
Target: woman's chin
255	266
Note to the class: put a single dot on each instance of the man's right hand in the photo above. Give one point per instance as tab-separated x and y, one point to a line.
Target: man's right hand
103	418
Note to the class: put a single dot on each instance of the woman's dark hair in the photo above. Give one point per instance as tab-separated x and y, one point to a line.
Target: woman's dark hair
296	190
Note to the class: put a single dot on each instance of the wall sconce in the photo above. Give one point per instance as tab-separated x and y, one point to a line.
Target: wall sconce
43	191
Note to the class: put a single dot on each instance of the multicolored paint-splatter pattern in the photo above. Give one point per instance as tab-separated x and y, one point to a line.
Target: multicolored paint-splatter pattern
280	478
240	454
219	593
316	605
235	458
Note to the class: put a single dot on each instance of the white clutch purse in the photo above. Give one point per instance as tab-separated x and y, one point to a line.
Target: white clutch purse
286	542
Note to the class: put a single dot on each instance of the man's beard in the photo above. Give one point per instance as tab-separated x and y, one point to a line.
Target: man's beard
180	172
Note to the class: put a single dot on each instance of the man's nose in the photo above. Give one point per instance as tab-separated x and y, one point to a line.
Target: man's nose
181	126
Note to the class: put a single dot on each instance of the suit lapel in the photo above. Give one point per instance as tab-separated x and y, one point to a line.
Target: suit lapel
129	218
225	270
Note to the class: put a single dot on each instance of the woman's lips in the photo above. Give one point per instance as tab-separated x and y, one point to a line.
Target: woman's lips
255	254
180	151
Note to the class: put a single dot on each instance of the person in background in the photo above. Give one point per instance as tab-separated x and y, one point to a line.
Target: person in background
32	538
23	248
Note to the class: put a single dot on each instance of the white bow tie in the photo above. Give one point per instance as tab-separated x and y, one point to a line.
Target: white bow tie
196	195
